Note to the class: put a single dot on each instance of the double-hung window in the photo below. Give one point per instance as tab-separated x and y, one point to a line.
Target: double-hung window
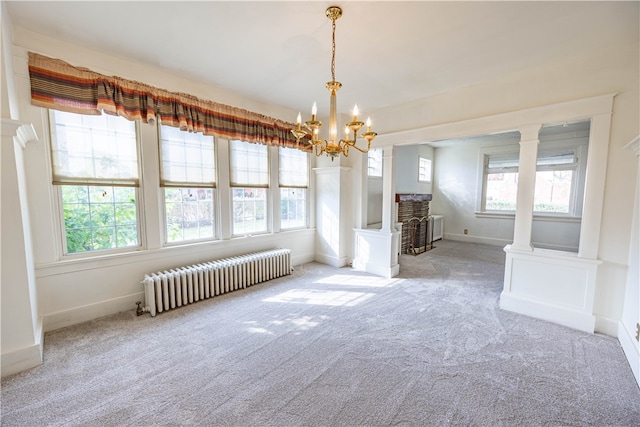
188	178
249	164
501	182
293	178
95	168
555	187
556	181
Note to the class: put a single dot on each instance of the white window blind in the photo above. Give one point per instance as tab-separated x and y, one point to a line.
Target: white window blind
93	150
293	168
187	159
545	158
557	158
249	164
503	161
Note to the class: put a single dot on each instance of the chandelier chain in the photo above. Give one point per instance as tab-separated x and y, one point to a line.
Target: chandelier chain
333	49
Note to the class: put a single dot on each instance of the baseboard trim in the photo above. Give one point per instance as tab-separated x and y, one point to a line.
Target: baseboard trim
502	242
631	349
560	315
606	326
64	318
332	261
377	269
25	358
476	239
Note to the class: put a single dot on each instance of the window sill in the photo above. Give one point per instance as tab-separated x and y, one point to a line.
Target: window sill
536	217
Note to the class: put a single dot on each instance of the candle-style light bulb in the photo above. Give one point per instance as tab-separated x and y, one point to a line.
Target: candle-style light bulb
314	111
299	120
355	113
368	124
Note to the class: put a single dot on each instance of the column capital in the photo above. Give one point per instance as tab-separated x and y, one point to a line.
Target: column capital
331	169
530	133
22	130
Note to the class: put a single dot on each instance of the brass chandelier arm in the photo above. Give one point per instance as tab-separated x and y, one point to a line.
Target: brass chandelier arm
351	143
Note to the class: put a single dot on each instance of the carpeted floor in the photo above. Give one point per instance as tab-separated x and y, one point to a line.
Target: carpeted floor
333	347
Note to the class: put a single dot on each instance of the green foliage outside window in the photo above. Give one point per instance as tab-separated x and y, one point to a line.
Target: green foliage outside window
99	217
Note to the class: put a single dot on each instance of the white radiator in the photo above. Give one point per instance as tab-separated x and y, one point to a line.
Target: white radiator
181	286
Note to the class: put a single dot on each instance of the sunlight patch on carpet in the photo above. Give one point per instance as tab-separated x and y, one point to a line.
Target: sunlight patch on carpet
321	297
355	280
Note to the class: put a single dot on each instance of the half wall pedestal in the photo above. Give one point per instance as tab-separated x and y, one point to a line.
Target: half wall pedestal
550	285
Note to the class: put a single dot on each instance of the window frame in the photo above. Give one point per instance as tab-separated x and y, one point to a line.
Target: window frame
304	186
508	152
236	185
165	184
59	204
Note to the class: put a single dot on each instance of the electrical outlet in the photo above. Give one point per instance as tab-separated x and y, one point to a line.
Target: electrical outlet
466	231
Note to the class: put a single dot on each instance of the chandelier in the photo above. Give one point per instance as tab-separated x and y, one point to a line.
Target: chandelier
333	147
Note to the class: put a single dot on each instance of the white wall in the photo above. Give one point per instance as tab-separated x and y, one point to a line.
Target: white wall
407	169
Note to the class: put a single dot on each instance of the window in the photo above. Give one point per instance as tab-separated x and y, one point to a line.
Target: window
188	178
249	187
556	174
375	162
294	181
501	182
95	166
555	182
424	170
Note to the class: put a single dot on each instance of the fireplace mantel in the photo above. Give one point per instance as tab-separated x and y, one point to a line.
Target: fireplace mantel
406	197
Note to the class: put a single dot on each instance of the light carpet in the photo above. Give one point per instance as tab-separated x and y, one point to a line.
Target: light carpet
333	347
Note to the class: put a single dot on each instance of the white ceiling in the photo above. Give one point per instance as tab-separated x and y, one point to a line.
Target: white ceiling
387	54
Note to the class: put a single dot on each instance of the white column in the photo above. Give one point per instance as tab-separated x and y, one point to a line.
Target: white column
22	333
388	190
594	186
526	186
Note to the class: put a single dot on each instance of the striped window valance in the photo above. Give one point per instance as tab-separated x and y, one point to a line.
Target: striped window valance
58	85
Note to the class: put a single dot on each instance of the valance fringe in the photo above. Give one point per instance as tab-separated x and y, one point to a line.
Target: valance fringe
58	85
